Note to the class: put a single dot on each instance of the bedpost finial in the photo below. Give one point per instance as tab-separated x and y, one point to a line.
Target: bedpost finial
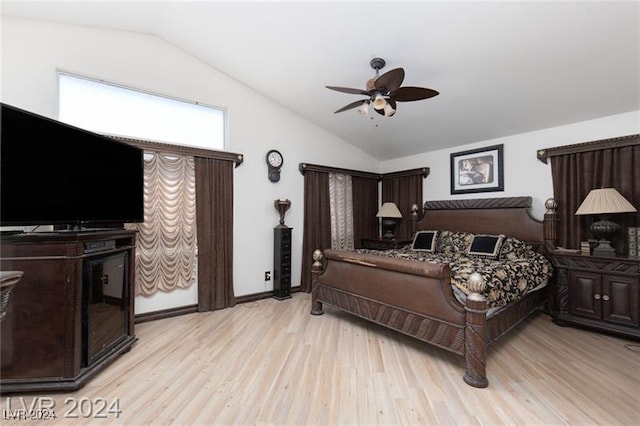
476	283
317	257
414	210
551	205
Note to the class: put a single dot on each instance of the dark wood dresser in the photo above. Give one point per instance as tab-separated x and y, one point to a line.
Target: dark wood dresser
71	314
601	293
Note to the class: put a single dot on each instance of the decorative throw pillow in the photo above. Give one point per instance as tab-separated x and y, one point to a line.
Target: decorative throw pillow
513	248
486	245
425	241
451	243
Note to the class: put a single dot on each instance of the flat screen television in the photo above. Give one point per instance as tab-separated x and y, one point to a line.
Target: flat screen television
53	173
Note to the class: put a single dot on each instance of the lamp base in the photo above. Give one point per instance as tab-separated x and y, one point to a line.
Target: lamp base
388	228
604	249
603	229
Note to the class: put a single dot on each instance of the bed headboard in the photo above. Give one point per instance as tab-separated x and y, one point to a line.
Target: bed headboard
510	216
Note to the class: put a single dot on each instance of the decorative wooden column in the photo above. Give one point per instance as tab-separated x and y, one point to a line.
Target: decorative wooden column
282	253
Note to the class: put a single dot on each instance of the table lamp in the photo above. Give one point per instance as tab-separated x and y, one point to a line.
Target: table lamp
604	201
390	214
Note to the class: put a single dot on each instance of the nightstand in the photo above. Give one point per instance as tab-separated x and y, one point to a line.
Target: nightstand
601	293
382	244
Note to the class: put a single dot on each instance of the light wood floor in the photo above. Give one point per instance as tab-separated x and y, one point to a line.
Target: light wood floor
270	362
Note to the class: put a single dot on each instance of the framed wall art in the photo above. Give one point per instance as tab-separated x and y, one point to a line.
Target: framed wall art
477	170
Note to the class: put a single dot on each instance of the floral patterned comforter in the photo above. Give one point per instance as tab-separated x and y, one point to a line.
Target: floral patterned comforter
507	279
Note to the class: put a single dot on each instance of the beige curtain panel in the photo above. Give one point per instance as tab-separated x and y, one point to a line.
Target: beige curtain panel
341	208
166	249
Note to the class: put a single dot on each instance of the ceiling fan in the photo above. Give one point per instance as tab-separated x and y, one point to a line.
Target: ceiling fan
384	91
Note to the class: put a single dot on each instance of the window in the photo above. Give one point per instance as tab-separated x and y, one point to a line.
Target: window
169	231
110	109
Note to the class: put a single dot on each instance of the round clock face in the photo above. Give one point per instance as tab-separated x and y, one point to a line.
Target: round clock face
274	158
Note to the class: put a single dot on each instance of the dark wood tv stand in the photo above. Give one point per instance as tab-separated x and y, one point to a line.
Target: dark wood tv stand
53	336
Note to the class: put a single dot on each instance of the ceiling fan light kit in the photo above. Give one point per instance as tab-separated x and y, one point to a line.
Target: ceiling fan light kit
384	91
388	110
379	102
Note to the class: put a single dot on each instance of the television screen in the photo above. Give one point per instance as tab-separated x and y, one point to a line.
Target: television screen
54	173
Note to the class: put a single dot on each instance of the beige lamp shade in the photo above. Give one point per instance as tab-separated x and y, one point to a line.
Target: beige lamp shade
389	210
604	201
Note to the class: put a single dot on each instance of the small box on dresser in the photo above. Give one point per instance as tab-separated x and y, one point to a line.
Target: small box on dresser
585	248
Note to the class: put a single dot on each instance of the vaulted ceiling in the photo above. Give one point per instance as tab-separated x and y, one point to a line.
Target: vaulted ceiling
501	68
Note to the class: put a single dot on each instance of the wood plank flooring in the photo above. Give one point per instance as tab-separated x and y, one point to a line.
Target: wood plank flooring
270	362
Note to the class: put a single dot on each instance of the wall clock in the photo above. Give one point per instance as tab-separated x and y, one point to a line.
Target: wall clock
274	163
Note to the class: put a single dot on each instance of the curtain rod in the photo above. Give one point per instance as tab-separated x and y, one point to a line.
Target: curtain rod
304	167
181	150
619	142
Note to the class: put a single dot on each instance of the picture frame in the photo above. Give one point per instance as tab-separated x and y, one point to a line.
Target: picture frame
477	170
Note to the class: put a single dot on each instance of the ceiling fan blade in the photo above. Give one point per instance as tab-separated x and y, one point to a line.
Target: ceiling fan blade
349	90
351	105
408	93
390	80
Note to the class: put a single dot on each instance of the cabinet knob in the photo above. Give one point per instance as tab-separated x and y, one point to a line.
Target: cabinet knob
596	296
605	297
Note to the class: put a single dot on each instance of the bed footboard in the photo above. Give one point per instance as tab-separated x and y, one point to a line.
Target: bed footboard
426	308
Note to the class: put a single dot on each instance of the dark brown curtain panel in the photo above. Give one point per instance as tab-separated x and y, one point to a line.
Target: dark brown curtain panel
404	191
317	222
575	174
214	216
365	207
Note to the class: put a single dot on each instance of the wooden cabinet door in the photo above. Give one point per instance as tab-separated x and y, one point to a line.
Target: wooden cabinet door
585	294
620	300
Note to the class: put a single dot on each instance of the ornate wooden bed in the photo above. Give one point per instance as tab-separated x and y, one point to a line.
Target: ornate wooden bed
416	298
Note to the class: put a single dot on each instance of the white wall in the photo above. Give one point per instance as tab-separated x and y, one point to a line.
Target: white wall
33	51
524	174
